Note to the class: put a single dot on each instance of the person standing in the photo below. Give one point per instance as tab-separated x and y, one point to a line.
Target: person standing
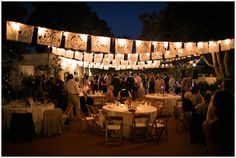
159	85
172	84
72	89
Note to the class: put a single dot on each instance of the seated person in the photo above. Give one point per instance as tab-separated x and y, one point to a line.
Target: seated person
219	132
109	96
188	109
202	108
196	96
124	94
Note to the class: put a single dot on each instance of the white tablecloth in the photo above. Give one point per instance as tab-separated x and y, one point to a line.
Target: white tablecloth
169	100
114	110
37	113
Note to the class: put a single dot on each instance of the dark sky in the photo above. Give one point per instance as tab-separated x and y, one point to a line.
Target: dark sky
123	17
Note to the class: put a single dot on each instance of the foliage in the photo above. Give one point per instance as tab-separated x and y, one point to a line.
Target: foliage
55	65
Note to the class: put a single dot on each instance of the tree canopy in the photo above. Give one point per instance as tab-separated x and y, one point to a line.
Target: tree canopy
190	21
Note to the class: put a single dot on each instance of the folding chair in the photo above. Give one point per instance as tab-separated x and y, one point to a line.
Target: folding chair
160	127
113	130
140	122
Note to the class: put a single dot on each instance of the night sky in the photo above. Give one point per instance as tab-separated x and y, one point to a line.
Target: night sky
123	17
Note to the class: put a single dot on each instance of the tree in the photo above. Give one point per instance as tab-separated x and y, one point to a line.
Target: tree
193	21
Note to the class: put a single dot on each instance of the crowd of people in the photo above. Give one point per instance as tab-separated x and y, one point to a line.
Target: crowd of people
209	114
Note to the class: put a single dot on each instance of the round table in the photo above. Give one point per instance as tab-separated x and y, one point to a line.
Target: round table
37	113
122	110
169	100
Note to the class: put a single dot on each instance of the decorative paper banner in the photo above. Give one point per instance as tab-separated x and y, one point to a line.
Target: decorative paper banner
119	57
100	44
105	62
170	54
108	57
98	58
117	67
79	55
132	63
226	44
76	41
141	65
91	65
160	47
190	48
174	46
124	62
69	53
180	52
202	48
86	63
144	57
58	51
19	32
156	63
157	55
116	62
49	37
214	46
123	46
143	46
133	57
88	57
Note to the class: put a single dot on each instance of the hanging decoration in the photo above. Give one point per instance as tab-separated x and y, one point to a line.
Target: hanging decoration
75	41
58	51
123	46
98	58
88	57
226	44
213	46
160	47
174	46
157	55
202	48
144	57
143	46
69	54
19	32
100	44
79	55
133	57
190	48
119	57
49	37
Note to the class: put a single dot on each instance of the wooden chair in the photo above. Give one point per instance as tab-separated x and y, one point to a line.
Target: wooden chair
140	122
113	130
160	126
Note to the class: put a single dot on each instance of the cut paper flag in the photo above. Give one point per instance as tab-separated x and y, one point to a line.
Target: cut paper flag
19	32
143	46
100	44
49	37
76	41
123	46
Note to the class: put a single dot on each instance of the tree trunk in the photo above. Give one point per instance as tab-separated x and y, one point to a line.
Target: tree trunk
226	65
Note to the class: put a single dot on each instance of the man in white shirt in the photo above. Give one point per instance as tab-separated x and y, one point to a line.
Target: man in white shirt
160	85
172	84
72	89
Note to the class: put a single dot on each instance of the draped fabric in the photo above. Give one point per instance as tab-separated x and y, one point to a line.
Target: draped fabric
76	41
19	32
133	57
100	44
157	55
79	55
123	46
160	47
98	58
144	57
143	46
226	44
190	48
214	46
49	37
202	48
